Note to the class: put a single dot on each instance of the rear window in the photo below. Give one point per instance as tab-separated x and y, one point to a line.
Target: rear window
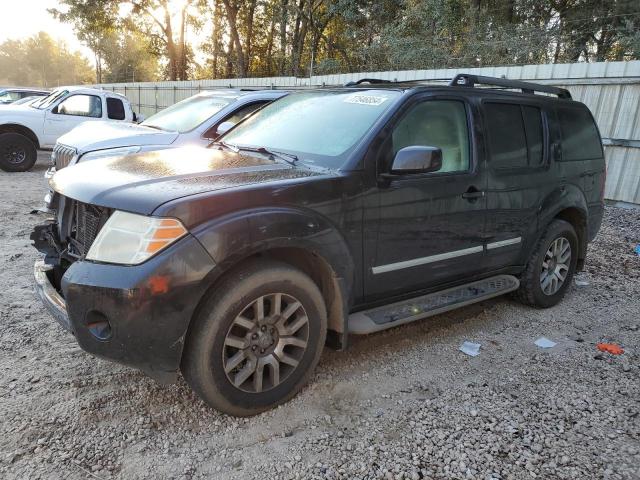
515	134
580	139
115	109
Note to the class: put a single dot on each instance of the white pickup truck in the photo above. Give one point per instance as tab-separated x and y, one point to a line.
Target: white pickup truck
24	129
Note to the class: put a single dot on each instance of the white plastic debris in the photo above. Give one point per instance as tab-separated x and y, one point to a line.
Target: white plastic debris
543	342
470	348
580	282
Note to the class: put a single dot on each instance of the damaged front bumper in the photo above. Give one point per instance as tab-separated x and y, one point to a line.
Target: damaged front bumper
136	315
49	296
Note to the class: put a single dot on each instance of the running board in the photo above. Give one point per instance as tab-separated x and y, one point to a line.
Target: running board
388	316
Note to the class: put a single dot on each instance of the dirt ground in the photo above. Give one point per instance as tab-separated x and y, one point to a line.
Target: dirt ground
405	403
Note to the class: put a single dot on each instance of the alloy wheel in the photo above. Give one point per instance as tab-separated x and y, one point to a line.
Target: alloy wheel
555	266
265	342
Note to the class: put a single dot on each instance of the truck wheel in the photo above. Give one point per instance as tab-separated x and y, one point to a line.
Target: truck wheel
17	152
550	268
256	339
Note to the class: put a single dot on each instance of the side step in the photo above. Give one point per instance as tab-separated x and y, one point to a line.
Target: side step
388	316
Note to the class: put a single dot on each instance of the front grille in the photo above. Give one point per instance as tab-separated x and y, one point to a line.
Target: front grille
62	155
86	223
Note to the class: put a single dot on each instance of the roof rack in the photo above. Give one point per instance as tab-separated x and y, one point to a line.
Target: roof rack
366	80
466	80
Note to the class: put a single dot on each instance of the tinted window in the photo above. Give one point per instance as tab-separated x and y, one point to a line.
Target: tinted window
580	140
82	106
505	129
115	109
533	128
436	123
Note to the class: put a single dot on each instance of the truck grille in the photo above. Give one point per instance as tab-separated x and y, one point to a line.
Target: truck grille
87	222
62	155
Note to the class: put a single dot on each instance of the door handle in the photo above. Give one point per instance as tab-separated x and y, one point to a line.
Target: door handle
473	194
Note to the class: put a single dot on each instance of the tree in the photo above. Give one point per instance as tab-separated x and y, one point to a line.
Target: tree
93	22
40	61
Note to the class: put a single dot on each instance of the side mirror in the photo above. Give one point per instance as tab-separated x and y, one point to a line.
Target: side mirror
417	159
224	127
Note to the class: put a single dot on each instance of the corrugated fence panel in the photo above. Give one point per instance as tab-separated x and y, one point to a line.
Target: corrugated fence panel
610	89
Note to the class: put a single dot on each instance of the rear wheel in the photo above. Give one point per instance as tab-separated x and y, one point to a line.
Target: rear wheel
551	266
17	152
256	340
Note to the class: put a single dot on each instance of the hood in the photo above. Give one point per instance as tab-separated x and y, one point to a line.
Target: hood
9	112
142	182
89	136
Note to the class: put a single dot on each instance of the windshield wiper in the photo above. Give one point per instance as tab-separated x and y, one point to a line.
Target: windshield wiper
290	158
222	143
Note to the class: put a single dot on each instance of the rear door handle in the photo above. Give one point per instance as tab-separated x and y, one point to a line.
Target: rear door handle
472	194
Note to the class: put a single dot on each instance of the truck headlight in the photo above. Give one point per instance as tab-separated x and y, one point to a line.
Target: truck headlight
110	152
130	239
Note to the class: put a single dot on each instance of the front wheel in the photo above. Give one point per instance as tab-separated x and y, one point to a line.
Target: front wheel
550	268
256	339
17	152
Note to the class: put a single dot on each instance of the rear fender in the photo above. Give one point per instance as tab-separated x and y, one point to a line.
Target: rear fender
565	197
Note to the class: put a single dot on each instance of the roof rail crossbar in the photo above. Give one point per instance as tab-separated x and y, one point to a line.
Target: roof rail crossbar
466	80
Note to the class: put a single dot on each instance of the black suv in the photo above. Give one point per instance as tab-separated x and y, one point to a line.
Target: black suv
328	212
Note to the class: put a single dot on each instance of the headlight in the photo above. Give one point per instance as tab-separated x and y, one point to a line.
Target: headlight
130	239
110	152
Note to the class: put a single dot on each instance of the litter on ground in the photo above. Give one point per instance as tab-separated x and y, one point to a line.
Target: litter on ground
544	342
470	348
580	282
611	348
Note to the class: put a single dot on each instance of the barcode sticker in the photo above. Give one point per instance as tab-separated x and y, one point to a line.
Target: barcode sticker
362	99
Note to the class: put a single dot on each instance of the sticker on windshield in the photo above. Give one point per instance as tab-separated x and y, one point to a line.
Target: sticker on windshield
363	99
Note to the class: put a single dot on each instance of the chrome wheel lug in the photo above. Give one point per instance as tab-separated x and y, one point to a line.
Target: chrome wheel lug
254	336
263	328
253	347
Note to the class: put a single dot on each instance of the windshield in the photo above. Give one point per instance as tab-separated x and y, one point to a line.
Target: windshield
321	127
188	114
47	101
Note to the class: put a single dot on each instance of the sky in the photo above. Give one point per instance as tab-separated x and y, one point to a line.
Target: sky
22	18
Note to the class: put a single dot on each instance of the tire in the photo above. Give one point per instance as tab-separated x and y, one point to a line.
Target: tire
537	285
229	339
17	152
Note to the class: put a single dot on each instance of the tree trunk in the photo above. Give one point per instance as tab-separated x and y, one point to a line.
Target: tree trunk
249	38
232	18
284	18
215	35
172	53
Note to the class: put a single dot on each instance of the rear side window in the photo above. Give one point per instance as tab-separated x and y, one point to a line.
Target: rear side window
580	139
115	109
515	135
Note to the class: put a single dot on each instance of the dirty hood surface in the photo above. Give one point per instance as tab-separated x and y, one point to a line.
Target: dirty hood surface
140	183
99	135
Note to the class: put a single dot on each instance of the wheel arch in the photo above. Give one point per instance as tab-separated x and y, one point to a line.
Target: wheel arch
302	239
21	129
568	204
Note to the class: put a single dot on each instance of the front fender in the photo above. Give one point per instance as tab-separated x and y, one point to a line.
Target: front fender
236	236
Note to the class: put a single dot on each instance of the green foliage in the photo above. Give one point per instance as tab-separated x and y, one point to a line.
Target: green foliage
300	37
40	61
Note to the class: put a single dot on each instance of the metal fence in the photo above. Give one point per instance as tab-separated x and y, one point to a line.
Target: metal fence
610	89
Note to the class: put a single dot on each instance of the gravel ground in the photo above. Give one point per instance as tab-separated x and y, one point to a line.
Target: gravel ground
402	404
